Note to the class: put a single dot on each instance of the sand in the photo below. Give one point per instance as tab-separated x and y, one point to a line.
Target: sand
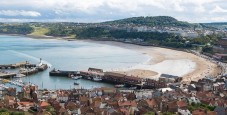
162	60
142	73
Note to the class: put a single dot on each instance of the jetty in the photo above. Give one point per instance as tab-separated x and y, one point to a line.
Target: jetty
33	69
92	74
42	67
4	74
132	81
28	71
115	78
14	66
118	78
62	73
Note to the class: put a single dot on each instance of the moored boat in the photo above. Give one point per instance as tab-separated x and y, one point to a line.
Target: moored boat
97	79
76	83
5	80
20	75
132	88
76	77
119	85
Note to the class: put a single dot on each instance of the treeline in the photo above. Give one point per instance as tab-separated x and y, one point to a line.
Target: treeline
148	38
16	29
207	40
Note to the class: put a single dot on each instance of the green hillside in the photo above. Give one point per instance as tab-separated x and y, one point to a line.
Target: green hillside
152	21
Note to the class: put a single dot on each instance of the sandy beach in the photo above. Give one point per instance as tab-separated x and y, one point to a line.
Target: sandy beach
162	60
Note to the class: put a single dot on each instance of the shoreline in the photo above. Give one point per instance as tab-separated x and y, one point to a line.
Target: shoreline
157	55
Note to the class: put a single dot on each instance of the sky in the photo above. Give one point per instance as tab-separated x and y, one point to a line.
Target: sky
195	11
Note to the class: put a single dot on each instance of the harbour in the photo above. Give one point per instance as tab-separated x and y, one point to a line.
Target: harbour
81	59
117	79
92	74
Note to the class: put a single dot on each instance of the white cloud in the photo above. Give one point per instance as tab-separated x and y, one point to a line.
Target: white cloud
191	10
19	13
218	19
218	9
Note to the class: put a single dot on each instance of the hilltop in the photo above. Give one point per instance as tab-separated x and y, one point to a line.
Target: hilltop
152	21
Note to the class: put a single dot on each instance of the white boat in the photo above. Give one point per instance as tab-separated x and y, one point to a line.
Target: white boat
132	88
97	79
119	85
20	75
77	77
19	81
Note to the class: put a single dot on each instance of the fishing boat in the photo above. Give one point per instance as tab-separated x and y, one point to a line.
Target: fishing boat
76	83
89	78
75	77
5	81
132	88
119	85
96	78
20	75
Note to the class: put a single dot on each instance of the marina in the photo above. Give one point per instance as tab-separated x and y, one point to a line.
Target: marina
93	74
18	83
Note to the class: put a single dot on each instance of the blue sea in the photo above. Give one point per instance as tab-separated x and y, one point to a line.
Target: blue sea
65	55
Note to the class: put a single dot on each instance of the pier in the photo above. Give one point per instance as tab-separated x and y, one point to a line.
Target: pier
62	73
112	77
117	78
28	71
25	68
92	74
7	75
42	67
13	66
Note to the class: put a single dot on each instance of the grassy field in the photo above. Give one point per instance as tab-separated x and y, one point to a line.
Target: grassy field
39	31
